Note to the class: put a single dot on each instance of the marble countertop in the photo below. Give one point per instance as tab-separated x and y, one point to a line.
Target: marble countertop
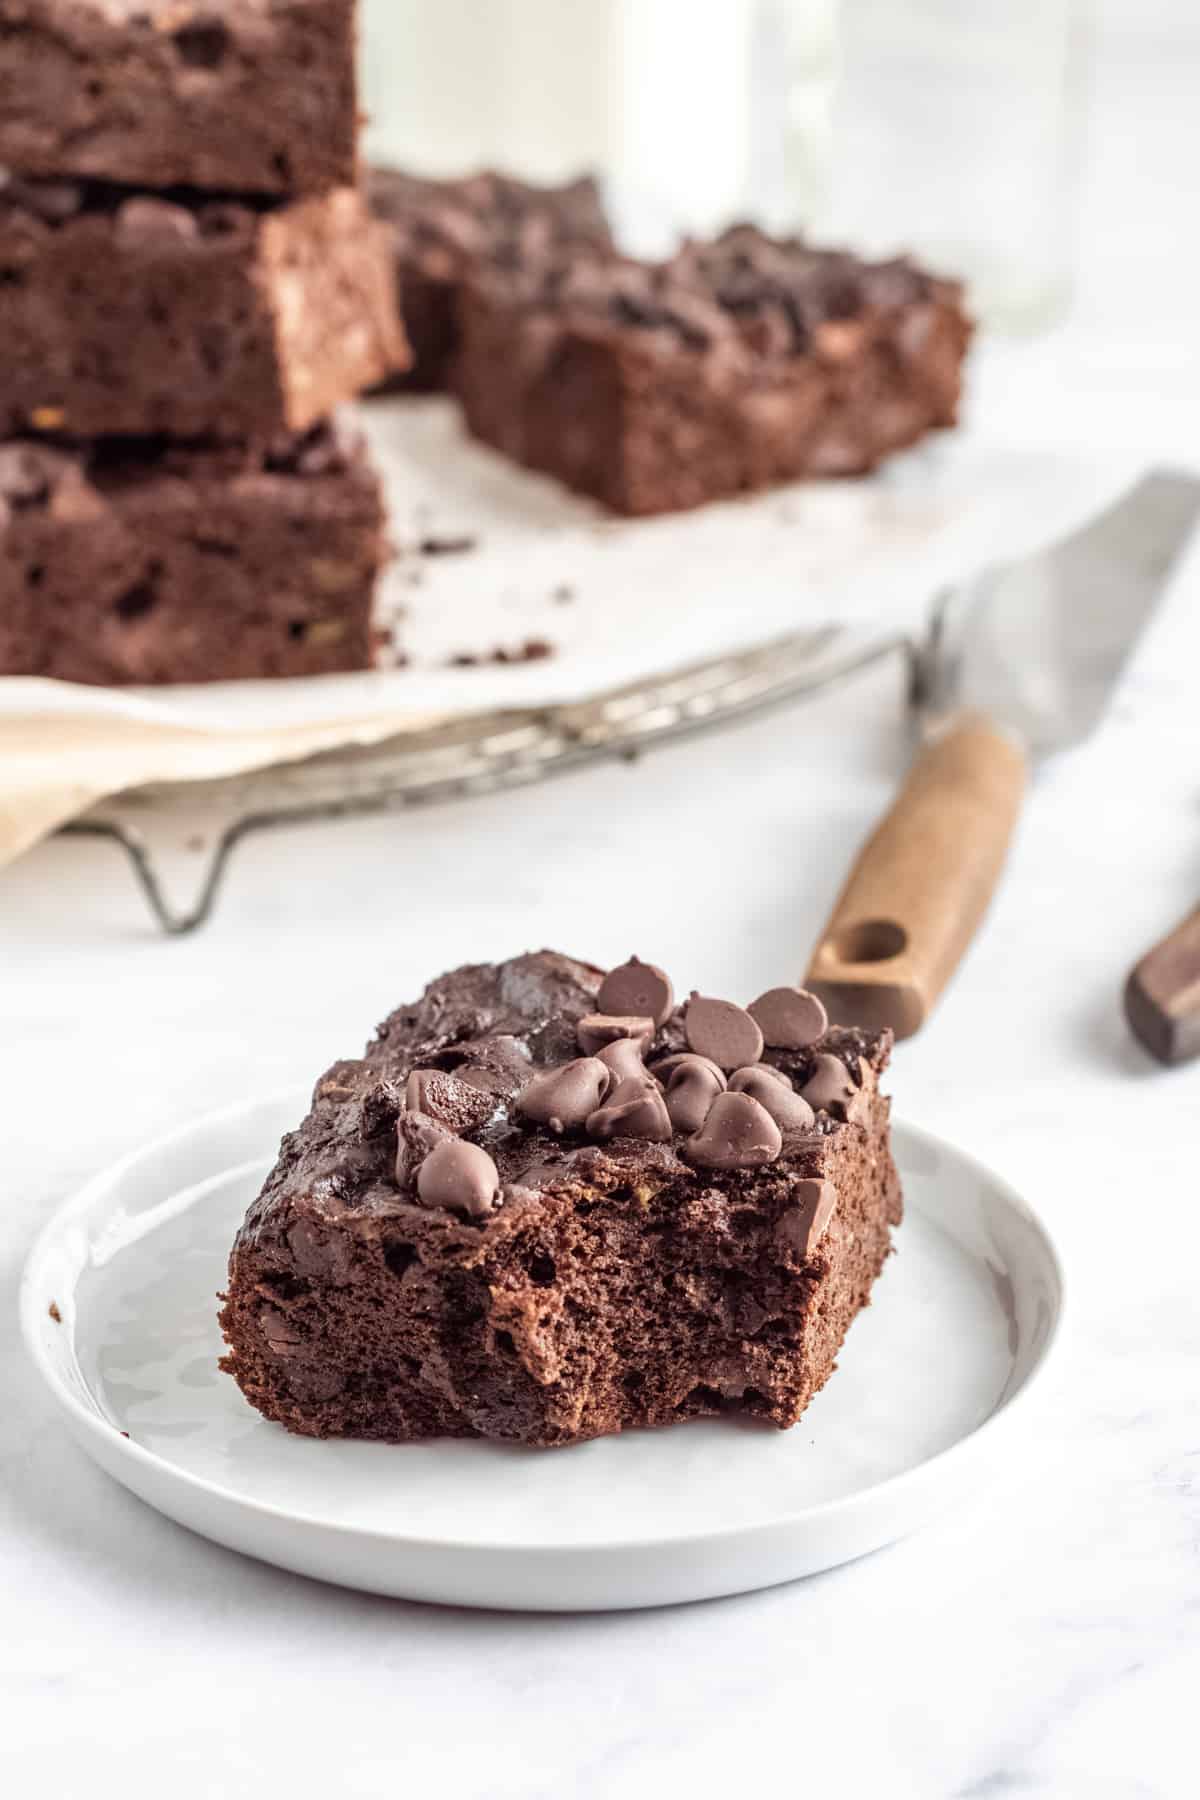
1045	1640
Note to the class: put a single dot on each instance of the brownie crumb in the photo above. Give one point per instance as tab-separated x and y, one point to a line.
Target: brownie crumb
532	650
52	1309
447	546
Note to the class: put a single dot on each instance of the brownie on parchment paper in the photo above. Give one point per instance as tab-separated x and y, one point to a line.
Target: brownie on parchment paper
143	561
128	314
443	229
235	96
547	1204
740	363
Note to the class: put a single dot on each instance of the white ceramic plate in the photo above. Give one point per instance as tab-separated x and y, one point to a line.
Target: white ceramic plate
963	1319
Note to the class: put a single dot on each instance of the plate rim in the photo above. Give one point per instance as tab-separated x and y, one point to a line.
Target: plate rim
89	1422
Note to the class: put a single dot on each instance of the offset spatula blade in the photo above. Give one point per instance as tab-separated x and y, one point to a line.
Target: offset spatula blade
1038	646
1021	662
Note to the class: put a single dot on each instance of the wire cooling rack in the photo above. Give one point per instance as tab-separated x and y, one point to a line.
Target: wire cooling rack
179	836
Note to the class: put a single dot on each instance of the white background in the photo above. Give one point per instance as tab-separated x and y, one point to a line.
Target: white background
1044	1643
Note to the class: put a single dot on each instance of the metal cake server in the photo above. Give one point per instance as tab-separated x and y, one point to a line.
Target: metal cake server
1020	663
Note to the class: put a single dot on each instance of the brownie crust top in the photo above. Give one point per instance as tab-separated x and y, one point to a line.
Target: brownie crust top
768	299
505	1082
255	96
444	227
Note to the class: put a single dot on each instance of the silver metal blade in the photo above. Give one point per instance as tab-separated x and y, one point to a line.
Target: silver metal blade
1039	645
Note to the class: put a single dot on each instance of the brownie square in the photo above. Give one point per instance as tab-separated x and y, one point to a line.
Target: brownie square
133	315
739	364
250	96
443	229
545	1205
135	561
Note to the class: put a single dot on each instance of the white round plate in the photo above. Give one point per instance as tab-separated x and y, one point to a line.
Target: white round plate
962	1320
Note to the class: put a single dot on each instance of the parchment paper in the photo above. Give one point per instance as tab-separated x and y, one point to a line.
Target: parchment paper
615	600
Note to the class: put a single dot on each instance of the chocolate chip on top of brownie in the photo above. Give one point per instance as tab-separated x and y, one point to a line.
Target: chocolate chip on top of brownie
716	1102
548	1203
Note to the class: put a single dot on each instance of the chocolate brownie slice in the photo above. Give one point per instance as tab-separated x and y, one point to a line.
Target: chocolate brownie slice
443	229
145	562
740	363
127	314
547	1204
257	96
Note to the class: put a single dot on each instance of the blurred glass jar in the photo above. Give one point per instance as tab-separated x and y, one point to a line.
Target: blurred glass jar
956	133
950	128
654	95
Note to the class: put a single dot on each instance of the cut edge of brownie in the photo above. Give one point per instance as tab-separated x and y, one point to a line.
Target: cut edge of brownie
250	317
147	561
609	1283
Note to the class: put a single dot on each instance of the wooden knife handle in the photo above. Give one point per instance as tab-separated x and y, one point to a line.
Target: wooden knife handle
922	881
1162	996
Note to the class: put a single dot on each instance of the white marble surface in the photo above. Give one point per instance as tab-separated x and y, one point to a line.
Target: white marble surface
1045	1642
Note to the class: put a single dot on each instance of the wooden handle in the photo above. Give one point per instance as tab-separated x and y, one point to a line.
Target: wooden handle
1162	996
922	882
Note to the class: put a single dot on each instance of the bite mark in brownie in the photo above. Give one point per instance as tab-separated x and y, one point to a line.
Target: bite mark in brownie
443	229
141	561
254	96
125	314
738	364
543	1207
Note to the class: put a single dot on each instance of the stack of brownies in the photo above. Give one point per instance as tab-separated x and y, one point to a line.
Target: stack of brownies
190	283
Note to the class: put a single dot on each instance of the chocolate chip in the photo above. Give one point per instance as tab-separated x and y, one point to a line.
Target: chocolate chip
595	1030
790	1018
453	1102
722	1031
737	1134
829	1087
282	1337
320	1254
667	1067
146	221
772	1089
460	1177
564	1097
623	1059
692	1086
637	989
417	1137
636	1109
803	1224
